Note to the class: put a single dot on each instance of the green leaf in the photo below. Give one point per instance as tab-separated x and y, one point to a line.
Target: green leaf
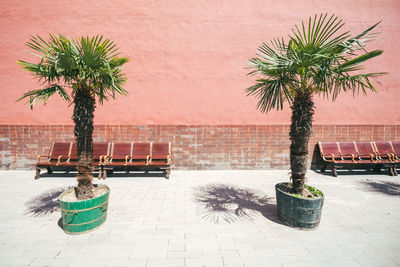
361	59
87	62
318	58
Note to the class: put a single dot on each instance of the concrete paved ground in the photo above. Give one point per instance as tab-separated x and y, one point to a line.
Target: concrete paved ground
202	218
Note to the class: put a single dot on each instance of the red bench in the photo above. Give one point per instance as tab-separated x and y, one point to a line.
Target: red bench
126	156
63	156
56	152
137	156
117	157
358	154
396	148
385	153
161	157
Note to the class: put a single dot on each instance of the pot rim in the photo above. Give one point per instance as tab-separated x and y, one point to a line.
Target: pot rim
90	199
288	194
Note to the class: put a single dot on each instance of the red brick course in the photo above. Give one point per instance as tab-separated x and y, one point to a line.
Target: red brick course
193	146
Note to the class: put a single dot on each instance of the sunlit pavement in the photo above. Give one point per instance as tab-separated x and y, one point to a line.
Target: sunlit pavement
202	218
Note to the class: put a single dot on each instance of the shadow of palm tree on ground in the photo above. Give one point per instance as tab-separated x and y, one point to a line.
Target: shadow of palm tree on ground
229	203
383	187
45	203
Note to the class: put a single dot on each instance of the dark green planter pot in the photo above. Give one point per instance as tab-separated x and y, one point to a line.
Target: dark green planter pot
82	216
298	212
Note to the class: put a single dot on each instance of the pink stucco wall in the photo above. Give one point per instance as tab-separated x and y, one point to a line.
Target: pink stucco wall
188	58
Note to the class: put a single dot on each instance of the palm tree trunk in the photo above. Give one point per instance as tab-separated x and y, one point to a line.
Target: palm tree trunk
83	118
300	132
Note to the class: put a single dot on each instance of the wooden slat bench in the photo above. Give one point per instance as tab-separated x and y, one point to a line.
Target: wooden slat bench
396	148
161	157
386	155
358	154
56	152
68	162
109	157
126	156
117	158
63	156
137	156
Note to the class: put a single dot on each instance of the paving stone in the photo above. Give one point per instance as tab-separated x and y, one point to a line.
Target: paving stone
158	222
160	262
60	262
44	262
206	261
184	254
10	261
128	262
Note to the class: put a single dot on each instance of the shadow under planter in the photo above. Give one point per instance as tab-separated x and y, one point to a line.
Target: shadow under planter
229	203
46	203
298	212
82	216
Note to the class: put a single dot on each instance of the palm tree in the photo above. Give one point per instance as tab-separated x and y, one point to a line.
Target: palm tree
84	70
315	60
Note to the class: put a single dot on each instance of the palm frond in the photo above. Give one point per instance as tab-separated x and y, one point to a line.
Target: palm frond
43	95
90	63
360	59
317	58
356	83
271	94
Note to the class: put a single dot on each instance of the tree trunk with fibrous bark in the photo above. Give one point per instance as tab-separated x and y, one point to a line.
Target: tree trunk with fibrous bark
300	132
83	118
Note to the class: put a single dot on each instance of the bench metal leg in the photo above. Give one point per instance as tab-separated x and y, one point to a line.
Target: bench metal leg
100	173
334	172
107	172
168	171
37	176
49	170
394	170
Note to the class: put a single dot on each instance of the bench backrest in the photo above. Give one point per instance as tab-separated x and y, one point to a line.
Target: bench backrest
119	151
365	150
396	147
347	149
160	151
383	148
59	148
100	149
327	149
141	151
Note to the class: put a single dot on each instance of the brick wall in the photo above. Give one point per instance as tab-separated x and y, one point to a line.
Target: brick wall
193	146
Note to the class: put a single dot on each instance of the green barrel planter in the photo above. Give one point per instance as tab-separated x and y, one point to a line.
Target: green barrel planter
82	216
298	212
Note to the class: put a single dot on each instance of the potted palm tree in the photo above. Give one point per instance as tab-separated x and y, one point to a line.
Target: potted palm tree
86	70
316	59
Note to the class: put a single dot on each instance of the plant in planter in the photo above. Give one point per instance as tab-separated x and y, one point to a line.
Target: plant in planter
315	60
86	70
